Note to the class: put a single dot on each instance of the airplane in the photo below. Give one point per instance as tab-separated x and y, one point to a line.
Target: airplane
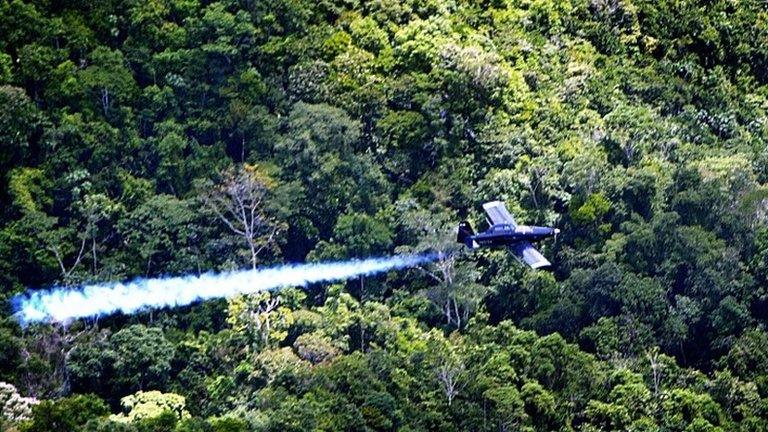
504	231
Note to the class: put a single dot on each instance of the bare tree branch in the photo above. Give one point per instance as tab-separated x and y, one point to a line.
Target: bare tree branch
238	201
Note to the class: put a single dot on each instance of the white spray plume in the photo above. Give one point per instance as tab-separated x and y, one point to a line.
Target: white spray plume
64	304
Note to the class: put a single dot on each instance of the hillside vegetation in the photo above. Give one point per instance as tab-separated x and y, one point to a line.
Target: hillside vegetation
366	128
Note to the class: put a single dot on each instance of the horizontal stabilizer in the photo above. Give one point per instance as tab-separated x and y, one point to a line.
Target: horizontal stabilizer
527	253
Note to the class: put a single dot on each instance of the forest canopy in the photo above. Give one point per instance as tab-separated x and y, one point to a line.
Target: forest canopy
367	128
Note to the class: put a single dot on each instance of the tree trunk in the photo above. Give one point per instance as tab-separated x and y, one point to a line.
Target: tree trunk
253	253
105	100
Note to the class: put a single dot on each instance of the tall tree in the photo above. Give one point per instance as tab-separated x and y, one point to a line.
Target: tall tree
454	287
240	201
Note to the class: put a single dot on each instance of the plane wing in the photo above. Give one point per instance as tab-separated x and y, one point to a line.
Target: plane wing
498	213
527	253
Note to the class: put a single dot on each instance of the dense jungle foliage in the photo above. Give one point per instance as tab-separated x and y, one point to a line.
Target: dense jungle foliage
366	128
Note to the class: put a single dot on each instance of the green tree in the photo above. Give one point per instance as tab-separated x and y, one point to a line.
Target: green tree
261	317
164	233
320	147
747	357
21	129
355	235
107	82
142	357
685	409
5	68
149	405
67	414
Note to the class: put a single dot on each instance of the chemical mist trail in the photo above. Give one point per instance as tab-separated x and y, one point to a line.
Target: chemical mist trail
64	304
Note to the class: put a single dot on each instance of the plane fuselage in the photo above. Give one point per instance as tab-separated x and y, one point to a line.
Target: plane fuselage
507	234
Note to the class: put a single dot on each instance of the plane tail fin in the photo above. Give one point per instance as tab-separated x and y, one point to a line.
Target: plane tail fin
465	235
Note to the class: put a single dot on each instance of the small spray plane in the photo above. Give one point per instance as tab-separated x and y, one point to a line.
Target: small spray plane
504	231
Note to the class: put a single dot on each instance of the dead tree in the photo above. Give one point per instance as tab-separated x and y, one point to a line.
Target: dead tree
59	256
454	291
450	375
238	201
448	366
